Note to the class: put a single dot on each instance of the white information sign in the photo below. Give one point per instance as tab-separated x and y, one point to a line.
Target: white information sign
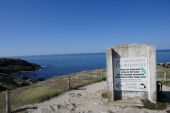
131	74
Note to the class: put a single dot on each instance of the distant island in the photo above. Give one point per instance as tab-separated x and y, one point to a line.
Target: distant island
9	66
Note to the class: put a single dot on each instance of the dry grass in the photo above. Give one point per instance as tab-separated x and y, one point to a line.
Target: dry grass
167	83
37	94
44	90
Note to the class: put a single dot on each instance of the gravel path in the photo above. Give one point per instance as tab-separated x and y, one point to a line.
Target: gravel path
87	99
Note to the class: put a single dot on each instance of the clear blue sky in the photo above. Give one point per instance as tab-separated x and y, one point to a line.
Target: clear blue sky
32	27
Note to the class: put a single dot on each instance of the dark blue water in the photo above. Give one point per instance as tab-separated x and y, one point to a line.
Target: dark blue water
55	65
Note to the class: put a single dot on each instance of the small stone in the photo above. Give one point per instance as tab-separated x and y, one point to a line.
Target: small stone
106	111
59	106
89	111
79	94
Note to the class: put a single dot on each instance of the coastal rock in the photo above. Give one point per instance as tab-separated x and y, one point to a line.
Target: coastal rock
10	82
166	64
9	67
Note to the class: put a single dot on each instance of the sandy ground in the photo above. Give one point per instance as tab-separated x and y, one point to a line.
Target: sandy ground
89	99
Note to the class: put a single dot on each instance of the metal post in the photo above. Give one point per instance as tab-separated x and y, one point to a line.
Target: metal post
8	104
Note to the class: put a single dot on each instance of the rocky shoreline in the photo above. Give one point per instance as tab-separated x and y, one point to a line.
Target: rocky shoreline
9	81
8	66
166	64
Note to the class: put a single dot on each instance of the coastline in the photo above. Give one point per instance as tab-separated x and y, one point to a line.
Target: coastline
21	80
8	67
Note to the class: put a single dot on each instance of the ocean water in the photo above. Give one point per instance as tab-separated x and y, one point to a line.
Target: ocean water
56	65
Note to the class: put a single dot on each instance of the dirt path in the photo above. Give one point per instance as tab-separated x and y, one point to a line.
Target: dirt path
87	99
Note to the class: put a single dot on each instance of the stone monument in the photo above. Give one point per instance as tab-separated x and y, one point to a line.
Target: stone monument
131	72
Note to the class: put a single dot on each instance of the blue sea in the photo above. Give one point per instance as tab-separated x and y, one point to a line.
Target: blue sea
56	65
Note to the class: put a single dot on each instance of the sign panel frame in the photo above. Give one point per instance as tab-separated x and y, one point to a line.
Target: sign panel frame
131	74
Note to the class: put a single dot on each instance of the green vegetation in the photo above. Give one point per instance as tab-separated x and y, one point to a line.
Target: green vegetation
153	106
8	65
44	90
37	94
96	79
165	83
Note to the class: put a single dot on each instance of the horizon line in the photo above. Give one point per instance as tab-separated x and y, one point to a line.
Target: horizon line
159	50
51	54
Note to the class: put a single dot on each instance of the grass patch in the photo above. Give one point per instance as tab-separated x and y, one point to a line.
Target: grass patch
165	83
96	79
80	82
37	94
153	106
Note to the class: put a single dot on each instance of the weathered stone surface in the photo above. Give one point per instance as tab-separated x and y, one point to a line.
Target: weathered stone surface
131	51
